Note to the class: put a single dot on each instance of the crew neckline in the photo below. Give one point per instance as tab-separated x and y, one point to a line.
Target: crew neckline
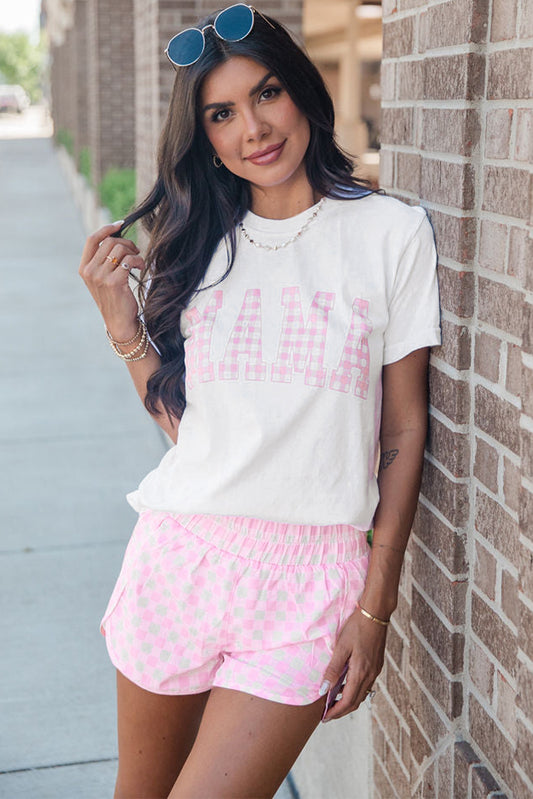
264	224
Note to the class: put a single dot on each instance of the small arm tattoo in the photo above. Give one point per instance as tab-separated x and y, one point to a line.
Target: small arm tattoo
387	546
387	458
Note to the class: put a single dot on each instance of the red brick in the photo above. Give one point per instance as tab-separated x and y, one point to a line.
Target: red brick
485	571
481	671
420	748
398	691
510	74
493	744
408	172
448	645
450	396
526	452
510	596
448	596
455	235
506	191
506	707
454	77
513	376
525	513
525	574
410	80
446	544
448	183
388	718
398	37
453	23
521	256
497	526
448	693
511	484
525	639
386	168
498	418
388	74
487	356
456	345
486	465
425	714
526	21
450	498
494	633
450	130
524	135
524	696
527	327
445	774
498	306
503	23
457	290
397	125
451	448
493	245
524	749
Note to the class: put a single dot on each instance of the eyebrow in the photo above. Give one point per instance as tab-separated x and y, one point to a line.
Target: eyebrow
253	90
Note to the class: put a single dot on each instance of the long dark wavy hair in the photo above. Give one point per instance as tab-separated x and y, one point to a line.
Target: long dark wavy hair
192	205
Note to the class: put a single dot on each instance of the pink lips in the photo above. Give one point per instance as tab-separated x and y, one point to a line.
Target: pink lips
266	156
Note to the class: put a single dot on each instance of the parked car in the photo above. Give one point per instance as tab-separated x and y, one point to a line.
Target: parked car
13	98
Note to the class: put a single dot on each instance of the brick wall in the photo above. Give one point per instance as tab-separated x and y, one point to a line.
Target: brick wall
110	68
454	713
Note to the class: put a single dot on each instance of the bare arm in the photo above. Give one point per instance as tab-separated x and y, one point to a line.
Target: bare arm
361	642
403	435
108	283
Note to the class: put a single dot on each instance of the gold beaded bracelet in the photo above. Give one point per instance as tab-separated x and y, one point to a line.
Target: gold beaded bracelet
370	616
144	344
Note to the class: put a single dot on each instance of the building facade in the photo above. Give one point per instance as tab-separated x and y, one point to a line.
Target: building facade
453	713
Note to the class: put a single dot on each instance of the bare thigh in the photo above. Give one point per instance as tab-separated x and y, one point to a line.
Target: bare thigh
155	735
245	746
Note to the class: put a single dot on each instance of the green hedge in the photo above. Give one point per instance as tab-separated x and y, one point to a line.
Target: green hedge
65	137
85	164
117	194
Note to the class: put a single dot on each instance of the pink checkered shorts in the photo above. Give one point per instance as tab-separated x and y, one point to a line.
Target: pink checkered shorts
234	602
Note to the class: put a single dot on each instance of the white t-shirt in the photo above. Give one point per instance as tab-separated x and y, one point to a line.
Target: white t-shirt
283	365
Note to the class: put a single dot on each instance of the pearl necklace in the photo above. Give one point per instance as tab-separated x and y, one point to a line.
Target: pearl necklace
289	241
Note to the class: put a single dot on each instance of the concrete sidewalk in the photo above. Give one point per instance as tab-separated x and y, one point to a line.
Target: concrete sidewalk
74	438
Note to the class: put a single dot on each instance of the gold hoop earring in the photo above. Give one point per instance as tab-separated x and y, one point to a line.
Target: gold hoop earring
217	162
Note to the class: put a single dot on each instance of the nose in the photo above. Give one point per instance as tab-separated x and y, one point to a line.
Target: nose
255	127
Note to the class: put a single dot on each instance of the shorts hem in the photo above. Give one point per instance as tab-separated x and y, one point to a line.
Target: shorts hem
146	687
272	697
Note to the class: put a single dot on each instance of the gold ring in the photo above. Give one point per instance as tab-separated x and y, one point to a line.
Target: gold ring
112	260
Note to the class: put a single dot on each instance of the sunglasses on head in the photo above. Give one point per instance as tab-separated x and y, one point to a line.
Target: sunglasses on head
232	24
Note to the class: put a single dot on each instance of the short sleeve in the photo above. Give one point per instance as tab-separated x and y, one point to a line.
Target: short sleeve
414	312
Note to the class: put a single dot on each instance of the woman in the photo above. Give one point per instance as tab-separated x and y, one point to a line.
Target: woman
287	313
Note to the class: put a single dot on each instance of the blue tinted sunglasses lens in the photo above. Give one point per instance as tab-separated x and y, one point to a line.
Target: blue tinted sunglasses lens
234	23
186	48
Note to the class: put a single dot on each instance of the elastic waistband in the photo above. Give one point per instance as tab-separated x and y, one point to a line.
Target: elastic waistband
278	542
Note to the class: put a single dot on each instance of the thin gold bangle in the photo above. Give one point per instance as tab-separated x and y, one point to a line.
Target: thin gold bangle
125	343
370	616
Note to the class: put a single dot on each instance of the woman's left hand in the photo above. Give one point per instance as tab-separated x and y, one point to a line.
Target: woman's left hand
361	644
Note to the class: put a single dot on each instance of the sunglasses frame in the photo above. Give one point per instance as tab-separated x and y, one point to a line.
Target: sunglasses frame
214	26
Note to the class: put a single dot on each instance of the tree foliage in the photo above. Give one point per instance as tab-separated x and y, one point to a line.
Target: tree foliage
22	62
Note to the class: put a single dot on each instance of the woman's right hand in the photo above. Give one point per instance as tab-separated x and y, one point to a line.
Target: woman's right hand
107	280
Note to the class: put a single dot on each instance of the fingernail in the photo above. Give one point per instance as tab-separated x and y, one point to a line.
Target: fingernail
118	222
324	688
